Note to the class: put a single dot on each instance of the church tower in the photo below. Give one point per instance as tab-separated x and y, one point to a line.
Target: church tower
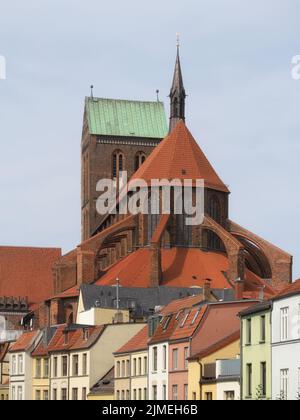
177	95
118	135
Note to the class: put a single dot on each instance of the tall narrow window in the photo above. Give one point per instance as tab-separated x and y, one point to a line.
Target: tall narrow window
75	365
214	210
249	380
284	324
154	392
186	356
139	160
117	164
263	329
175	359
263	374
284	381
154	359
84	364
175	393
249	332
64	368
164	357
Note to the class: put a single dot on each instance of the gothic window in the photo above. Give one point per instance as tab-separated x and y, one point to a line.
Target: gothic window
139	160
117	164
184	236
214	210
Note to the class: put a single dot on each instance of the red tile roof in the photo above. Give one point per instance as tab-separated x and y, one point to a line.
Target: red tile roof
72	292
223	342
138	343
27	272
178	317
24	342
40	351
75	338
220	321
291	289
181	268
179	156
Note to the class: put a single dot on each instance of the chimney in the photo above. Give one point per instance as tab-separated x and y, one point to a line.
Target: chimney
239	288
207	290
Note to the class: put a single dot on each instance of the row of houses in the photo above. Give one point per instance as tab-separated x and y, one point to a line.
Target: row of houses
270	342
190	349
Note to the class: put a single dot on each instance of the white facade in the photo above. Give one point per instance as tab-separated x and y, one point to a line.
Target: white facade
20	368
229	390
228	379
158	371
286	348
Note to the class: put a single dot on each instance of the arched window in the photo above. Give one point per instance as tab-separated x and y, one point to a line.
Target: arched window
117	164
214	210
140	158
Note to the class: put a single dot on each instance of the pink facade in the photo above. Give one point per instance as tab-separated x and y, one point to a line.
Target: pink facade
178	370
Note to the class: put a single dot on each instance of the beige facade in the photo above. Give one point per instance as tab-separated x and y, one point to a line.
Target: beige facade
139	377
131	376
122	377
41	379
75	372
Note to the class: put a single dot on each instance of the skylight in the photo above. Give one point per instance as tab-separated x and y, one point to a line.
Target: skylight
185	319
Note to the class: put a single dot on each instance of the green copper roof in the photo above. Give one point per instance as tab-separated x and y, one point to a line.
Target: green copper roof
112	117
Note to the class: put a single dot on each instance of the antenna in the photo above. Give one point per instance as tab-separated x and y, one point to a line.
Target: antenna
157	95
92	91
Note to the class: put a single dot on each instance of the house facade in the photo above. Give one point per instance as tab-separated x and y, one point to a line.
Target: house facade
286	344
131	368
21	366
80	355
256	358
207	380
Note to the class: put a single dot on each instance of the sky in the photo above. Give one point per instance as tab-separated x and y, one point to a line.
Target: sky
243	104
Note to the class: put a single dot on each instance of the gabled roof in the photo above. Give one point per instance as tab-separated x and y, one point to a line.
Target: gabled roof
179	320
27	272
111	117
24	342
223	342
138	343
75	338
290	290
179	156
220	321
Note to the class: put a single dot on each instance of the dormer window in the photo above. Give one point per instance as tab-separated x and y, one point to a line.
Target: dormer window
85	334
66	337
185	319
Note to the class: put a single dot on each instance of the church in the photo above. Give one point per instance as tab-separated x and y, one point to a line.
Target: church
155	251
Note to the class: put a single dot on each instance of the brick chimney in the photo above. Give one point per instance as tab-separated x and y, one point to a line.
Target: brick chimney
207	290
239	288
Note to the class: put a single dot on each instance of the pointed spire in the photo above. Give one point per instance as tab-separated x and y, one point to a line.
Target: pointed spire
177	93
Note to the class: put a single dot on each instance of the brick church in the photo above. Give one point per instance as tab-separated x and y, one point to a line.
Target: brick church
151	251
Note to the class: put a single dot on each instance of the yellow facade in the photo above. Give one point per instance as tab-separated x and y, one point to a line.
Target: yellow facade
198	391
139	375
122	377
4	392
41	379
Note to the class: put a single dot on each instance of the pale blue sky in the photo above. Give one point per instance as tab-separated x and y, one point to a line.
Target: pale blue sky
243	105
